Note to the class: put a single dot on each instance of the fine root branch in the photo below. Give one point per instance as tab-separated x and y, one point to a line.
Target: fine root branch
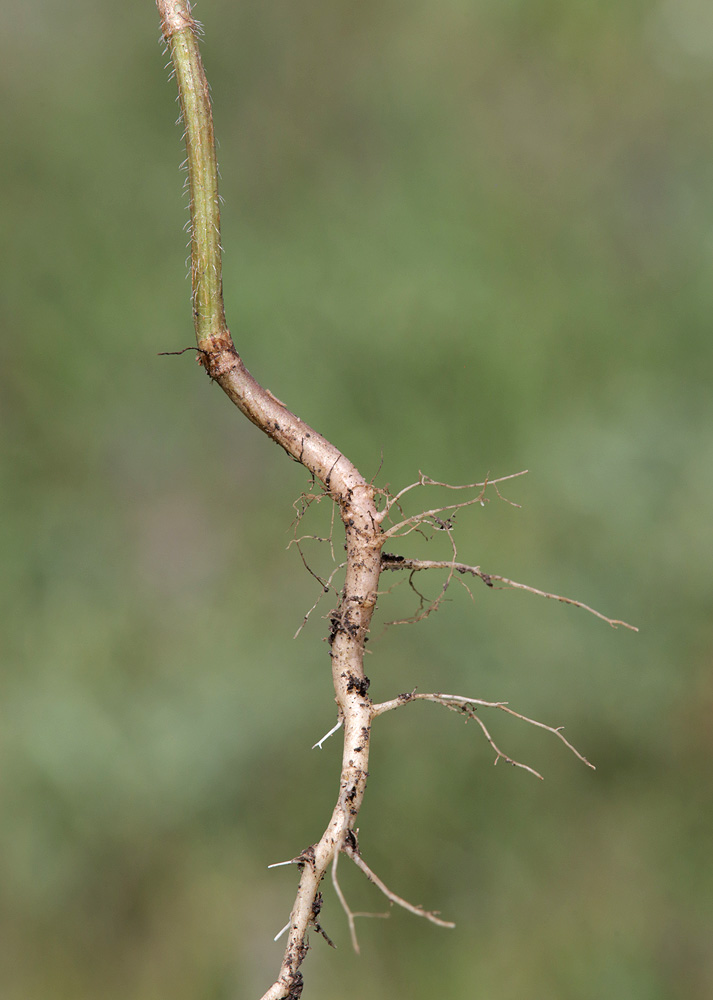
418	911
424	480
332	731
326	587
301	506
316	909
468	707
425	607
280	933
409	524
393	562
350	914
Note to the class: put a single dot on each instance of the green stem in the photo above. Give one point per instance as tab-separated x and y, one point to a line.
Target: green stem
179	31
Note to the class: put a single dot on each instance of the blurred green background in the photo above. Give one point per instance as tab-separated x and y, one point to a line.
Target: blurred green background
476	237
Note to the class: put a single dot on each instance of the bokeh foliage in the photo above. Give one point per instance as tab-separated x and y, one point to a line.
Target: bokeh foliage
474	237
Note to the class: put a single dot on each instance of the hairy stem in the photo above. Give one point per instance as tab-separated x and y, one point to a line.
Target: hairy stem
179	31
